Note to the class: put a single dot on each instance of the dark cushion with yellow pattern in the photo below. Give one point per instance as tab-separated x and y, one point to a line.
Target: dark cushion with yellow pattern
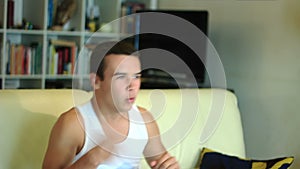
210	159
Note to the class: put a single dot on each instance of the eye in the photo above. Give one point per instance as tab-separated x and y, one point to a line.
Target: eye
121	77
138	76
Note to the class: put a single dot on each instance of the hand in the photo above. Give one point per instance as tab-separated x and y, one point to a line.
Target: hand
165	161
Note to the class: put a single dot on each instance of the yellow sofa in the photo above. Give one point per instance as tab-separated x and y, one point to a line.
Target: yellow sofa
189	119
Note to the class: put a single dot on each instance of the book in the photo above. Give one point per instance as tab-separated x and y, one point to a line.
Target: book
1	58
10	13
50	14
7	58
51	60
18	13
19	66
60	42
36	58
2	16
12	59
27	61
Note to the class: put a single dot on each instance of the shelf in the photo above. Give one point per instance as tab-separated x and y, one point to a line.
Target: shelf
62	76
22	31
101	34
46	76
36	39
64	33
23	76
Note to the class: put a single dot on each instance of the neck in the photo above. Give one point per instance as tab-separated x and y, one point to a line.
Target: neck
115	124
106	111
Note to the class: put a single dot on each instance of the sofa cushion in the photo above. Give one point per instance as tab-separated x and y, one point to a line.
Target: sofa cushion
210	159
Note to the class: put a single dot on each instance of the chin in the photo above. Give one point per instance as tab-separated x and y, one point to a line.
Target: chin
125	107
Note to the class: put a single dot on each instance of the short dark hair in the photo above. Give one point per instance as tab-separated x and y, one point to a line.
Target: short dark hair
99	53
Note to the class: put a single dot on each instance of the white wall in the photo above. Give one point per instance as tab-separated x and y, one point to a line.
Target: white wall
259	45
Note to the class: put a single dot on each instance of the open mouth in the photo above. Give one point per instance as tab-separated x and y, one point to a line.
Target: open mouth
131	99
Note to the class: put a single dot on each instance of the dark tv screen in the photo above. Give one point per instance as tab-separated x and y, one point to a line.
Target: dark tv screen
163	77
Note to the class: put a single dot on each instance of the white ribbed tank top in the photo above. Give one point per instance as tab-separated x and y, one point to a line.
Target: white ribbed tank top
128	153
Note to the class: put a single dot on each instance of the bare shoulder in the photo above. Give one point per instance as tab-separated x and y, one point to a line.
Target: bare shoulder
147	116
149	121
70	117
66	140
67	120
69	129
154	147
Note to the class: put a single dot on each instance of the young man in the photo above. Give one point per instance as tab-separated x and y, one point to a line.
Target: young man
109	131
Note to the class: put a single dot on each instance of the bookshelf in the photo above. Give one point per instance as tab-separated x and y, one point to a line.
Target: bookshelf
28	31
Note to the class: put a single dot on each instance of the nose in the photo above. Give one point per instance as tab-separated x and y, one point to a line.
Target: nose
133	84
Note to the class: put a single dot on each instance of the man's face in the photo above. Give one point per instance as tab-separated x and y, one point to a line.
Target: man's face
121	81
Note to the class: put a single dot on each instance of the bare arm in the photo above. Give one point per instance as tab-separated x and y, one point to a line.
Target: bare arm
66	140
155	153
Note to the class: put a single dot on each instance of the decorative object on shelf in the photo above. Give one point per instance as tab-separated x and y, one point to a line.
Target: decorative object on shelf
64	12
92	16
27	25
106	27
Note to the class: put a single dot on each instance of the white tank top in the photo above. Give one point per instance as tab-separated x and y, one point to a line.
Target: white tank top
128	153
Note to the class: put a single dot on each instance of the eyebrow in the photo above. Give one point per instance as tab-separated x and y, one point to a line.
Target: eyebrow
121	73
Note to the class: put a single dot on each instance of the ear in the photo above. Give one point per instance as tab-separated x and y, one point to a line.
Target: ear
95	81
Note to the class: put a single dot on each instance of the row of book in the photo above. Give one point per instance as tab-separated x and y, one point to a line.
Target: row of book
22	59
62	57
130	7
129	23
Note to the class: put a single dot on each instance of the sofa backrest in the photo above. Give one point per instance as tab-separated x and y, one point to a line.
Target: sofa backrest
26	118
188	120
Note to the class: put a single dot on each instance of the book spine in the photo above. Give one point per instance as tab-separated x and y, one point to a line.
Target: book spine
50	14
18	13
8	54
10	13
66	60
25	61
60	62
32	61
19	67
28	61
12	60
38	59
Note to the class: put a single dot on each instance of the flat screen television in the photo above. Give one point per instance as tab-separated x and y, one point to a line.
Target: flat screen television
170	74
